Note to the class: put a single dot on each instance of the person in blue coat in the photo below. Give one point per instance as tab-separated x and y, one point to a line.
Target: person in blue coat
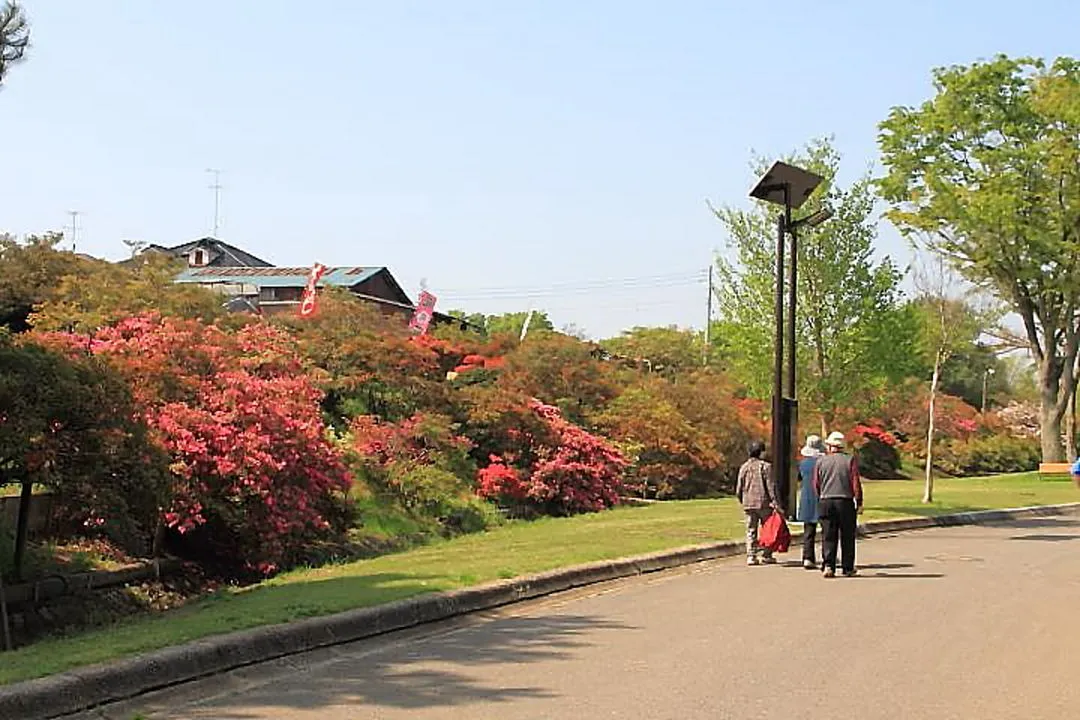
807	512
1076	471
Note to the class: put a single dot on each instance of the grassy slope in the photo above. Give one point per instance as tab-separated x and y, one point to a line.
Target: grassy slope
516	549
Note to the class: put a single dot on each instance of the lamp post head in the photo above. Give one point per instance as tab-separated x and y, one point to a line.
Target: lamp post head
784	184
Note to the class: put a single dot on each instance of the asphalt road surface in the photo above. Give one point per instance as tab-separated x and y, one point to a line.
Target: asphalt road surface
973	622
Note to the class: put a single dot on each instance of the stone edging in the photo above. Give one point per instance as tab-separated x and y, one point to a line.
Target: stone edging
88	687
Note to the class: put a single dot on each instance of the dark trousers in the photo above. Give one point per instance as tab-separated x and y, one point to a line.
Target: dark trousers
809	541
838	518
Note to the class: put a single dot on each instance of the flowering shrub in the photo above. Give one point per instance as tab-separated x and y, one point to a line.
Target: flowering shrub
573	471
876	450
687	438
501	482
1018	419
252	467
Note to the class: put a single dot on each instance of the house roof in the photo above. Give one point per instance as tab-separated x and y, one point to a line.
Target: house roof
277	276
234	255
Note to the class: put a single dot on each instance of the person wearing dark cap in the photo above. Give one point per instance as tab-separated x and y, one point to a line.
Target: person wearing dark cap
757	495
840	500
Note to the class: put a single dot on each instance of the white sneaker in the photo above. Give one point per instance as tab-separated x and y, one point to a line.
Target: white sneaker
752	561
829	573
809	565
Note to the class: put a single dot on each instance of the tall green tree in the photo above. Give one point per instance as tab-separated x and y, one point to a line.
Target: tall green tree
853	334
666	348
53	289
507	323
987	173
14	36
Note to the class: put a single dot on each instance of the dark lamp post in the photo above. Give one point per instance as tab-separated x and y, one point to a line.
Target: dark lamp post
789	187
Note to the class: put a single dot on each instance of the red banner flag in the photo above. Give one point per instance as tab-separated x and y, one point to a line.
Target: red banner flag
307	303
421	318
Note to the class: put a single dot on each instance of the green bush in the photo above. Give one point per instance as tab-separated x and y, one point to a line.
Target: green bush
432	492
878	460
988	455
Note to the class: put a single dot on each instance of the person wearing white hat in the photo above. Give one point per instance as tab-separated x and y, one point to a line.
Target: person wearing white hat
807	512
840	499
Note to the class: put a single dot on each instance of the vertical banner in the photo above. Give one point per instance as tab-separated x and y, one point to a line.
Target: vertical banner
421	318
307	302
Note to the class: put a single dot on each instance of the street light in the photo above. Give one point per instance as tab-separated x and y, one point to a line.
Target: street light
986	375
789	187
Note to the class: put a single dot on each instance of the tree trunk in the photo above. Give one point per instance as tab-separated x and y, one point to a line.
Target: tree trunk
1070	427
21	525
928	487
1049	418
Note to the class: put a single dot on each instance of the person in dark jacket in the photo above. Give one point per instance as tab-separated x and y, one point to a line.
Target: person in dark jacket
807	512
757	495
840	500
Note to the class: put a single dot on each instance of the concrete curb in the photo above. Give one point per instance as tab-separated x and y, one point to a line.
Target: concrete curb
88	687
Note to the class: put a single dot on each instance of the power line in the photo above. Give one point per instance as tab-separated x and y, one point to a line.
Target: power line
576	283
594	286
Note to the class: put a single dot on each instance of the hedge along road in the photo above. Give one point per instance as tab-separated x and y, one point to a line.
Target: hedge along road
515	550
956	622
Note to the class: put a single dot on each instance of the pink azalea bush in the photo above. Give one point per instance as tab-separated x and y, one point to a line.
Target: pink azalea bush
252	466
574	471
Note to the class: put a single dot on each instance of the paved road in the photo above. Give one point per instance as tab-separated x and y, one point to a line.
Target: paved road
977	622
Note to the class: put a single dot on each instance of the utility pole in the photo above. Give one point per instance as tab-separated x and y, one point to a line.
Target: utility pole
74	226
708	321
216	187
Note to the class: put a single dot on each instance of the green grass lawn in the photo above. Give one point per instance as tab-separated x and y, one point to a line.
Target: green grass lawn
515	549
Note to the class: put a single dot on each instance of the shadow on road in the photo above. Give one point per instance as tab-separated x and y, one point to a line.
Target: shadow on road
1046	538
885	566
434	672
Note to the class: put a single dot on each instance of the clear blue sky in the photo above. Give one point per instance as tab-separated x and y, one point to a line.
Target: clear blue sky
475	145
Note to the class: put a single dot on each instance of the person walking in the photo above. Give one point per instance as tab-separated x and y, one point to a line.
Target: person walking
807	512
757	495
840	499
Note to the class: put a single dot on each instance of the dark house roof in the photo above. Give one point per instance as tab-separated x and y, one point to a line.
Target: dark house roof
219	253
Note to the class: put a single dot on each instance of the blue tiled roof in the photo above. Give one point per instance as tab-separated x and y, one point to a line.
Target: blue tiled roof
276	277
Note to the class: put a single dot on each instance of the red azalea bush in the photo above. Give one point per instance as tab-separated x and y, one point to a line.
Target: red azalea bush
876	450
501	482
573	470
253	469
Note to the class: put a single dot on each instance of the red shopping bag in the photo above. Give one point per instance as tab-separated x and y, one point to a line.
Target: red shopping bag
774	534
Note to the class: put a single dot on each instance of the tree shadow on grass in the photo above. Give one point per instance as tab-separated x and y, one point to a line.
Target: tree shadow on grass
405	672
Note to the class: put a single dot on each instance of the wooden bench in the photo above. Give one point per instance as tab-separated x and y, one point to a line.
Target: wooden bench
1055	469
